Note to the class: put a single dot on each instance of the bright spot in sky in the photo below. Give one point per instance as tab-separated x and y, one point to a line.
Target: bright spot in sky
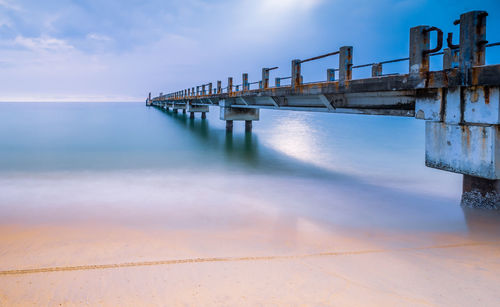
289	4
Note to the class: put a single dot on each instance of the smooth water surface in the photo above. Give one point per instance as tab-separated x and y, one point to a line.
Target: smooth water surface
367	164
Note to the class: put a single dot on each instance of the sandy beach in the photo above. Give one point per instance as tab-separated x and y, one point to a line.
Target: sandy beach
236	251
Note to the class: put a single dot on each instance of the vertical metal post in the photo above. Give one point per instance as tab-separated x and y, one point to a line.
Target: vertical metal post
345	63
376	70
277	82
330	75
219	87
230	85
260	84
197	91
419	42
203	115
244	78
265	78
296	77
472	41
210	88
203	89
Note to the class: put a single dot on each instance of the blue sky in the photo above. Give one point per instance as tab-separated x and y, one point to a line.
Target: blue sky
98	50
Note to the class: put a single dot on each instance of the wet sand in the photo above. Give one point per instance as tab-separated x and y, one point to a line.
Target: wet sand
155	241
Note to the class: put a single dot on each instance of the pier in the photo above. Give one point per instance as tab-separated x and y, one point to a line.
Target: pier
460	103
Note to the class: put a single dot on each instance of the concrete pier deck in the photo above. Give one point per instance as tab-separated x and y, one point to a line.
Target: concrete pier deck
460	102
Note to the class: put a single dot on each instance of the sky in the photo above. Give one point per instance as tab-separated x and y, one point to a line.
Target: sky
119	50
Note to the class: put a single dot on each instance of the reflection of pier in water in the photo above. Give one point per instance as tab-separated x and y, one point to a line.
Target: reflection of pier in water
460	103
244	148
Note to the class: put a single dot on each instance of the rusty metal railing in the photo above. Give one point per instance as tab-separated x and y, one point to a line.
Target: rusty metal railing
420	51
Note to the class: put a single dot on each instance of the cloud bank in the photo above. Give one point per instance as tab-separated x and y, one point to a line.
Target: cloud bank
93	50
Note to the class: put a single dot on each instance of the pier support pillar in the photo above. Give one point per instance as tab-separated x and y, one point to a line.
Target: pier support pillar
480	193
198	108
229	113
462	132
191	115
203	115
229	125
248	126
183	111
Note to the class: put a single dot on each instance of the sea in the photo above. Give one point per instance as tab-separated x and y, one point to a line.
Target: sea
140	166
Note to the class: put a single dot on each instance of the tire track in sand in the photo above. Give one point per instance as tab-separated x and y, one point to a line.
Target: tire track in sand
232	259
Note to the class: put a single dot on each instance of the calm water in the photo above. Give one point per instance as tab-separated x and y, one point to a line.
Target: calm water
80	161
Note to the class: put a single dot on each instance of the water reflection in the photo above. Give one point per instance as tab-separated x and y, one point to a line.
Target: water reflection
245	151
483	223
388	208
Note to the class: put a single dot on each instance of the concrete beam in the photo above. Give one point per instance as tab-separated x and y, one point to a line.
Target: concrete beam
472	105
197	108
466	149
229	113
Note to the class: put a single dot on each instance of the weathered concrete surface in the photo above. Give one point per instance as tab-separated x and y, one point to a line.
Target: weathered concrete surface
228	113
476	105
466	149
481	193
197	108
428	104
482	105
177	106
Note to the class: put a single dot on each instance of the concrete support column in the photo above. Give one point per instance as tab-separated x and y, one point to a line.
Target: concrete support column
330	75
229	125
229	85
191	115
229	114
345	64
472	42
203	115
481	193
244	78
265	78
248	125
183	111
419	42
296	73
376	70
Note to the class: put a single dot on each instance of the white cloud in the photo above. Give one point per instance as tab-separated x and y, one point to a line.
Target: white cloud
99	37
43	43
9	5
